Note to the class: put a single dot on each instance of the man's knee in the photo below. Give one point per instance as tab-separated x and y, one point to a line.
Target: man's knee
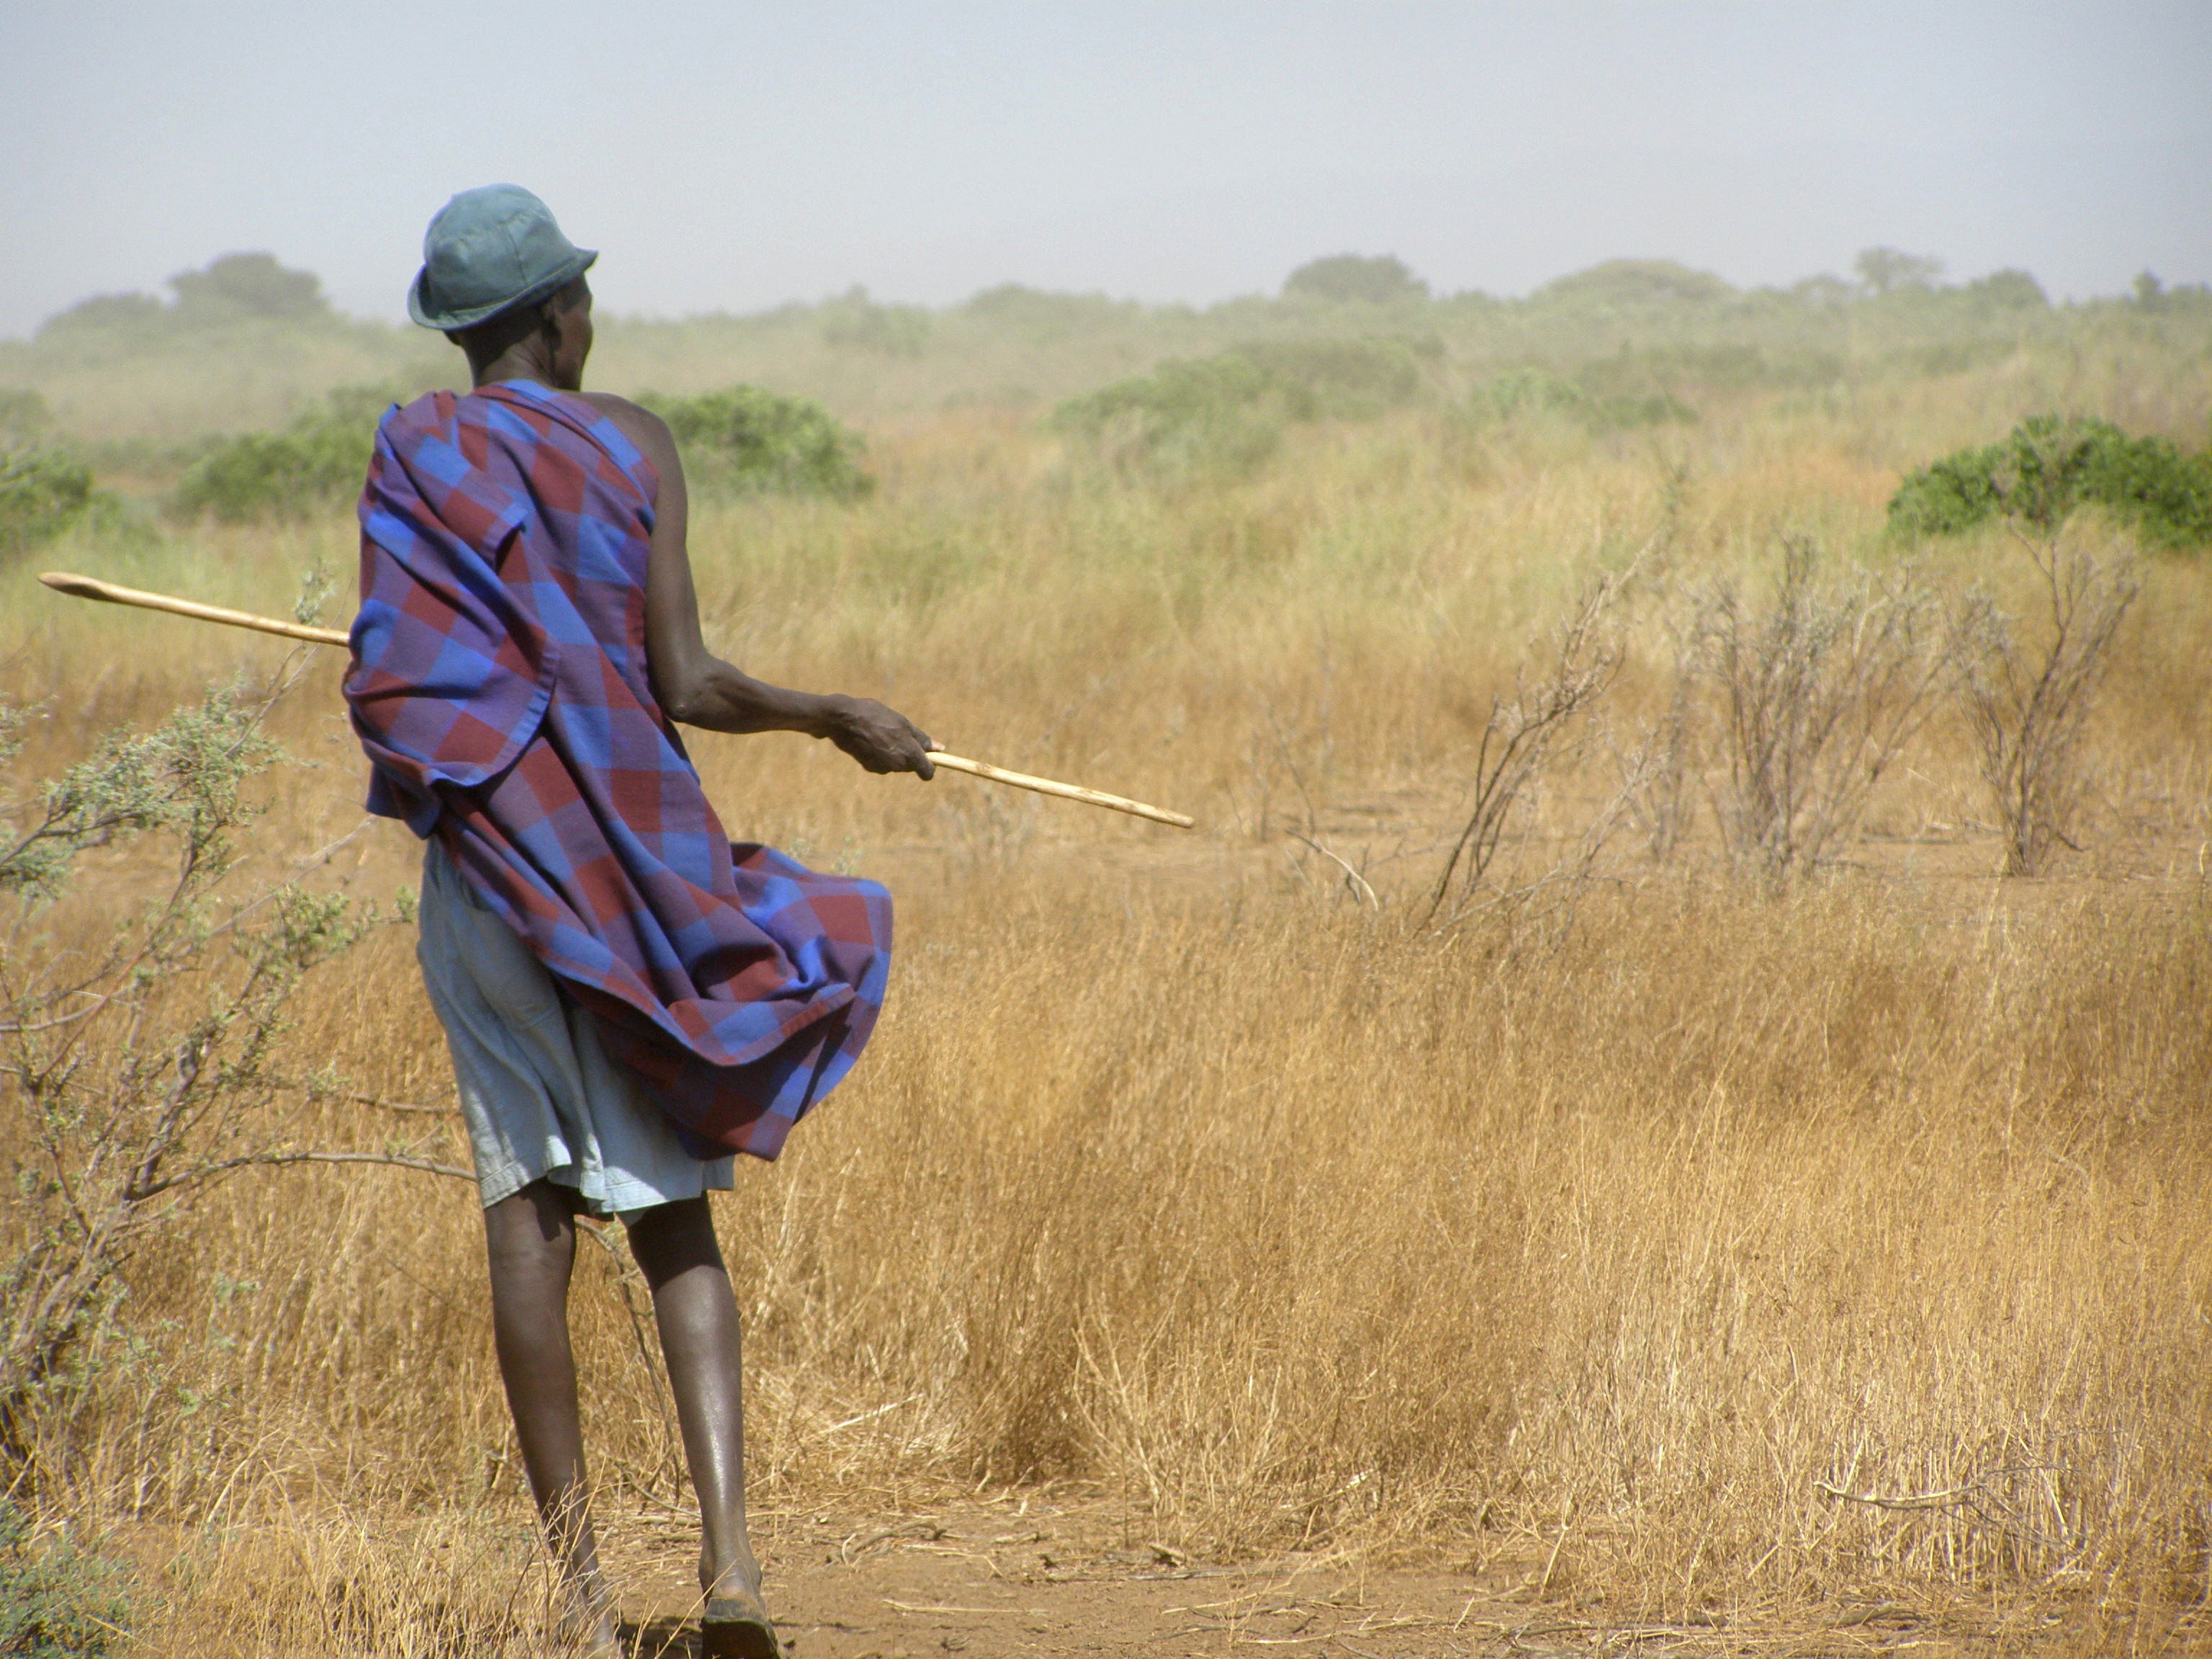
672	1238
536	1224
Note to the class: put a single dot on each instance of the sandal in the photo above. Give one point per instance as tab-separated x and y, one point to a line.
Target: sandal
738	1627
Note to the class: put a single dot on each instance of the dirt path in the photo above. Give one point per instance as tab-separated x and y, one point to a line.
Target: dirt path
984	1582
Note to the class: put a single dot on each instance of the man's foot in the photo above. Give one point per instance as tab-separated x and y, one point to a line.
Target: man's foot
736	1626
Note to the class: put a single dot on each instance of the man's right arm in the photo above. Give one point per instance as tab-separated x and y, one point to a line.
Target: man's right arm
697	688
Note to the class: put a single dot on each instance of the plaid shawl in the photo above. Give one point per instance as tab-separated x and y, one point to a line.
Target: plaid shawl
499	687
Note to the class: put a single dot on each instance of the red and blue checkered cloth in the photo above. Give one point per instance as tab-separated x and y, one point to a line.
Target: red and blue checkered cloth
499	687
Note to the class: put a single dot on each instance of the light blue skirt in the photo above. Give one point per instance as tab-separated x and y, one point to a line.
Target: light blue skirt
541	1100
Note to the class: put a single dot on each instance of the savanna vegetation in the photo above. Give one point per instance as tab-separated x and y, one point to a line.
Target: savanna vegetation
1673	1067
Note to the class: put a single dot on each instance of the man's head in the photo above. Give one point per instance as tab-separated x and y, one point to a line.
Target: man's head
497	273
553	336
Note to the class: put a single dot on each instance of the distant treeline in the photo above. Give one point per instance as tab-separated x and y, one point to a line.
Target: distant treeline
248	343
255	289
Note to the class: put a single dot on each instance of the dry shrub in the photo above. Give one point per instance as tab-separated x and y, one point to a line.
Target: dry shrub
1820	690
1542	725
2029	703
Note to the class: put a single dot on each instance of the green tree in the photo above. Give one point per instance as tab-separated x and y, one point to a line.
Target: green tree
1886	270
245	285
1382	280
108	314
1639	283
2009	290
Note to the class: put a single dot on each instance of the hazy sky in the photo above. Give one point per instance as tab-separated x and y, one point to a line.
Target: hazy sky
739	155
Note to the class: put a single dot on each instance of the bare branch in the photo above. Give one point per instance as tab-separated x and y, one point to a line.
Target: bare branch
272	1160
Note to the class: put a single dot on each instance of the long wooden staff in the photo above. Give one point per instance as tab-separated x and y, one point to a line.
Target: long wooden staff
86	587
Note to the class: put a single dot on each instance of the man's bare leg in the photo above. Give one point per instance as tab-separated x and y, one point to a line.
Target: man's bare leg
675	1245
532	1241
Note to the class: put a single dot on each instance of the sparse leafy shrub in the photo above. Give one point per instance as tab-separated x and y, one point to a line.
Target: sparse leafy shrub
55	1602
2051	465
142	1077
316	461
1342	277
750	440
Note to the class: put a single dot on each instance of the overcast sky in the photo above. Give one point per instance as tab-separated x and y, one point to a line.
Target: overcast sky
726	155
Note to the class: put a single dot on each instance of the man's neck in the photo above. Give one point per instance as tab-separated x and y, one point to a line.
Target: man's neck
523	361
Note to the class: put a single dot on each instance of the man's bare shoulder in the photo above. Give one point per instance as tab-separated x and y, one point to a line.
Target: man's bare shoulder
640	425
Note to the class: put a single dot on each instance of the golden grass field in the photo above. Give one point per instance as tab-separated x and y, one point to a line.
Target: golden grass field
1607	1238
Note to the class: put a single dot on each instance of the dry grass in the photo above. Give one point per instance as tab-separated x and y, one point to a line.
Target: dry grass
1620	1236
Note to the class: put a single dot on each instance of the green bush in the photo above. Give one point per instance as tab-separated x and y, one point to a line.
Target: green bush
1519	392
750	440
1220	416
23	417
56	1602
1339	379
2052	464
318	461
1043	319
857	323
1522	393
1224	415
1720	367
42	493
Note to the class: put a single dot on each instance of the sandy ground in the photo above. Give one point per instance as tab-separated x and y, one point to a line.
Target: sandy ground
984	1580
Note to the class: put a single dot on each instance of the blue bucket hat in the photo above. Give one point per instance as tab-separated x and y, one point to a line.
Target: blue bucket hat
488	250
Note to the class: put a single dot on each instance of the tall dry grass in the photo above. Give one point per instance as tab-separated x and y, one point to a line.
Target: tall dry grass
1644	1237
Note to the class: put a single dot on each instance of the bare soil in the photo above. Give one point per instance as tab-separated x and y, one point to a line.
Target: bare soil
987	1580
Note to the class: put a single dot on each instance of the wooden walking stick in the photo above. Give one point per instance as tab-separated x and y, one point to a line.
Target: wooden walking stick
86	587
